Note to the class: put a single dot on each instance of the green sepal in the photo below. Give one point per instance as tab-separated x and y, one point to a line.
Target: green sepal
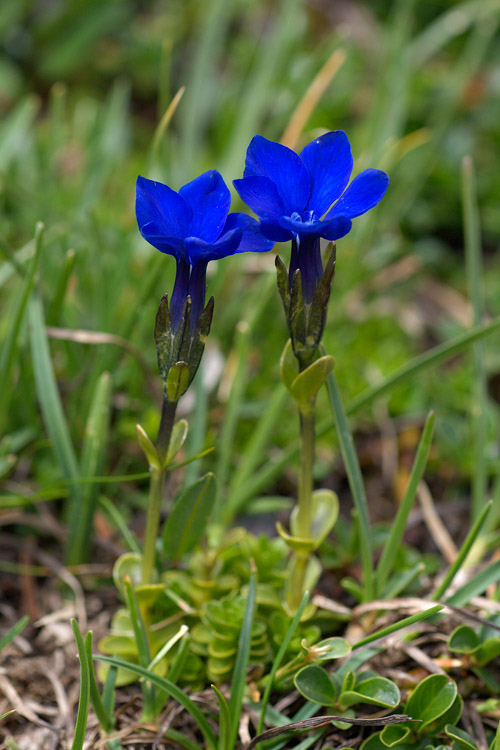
148	448
177	381
321	296
283	284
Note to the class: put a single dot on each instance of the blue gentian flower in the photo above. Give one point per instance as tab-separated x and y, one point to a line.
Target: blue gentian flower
195	227
302	198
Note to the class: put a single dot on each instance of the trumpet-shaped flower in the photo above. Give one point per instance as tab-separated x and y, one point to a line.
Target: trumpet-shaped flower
307	196
195	227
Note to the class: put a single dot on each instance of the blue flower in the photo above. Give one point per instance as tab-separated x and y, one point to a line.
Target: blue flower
302	198
195	227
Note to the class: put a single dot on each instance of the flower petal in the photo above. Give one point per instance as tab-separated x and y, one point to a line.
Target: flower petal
332	229
364	192
283	167
329	163
157	203
209	199
201	251
170	245
252	239
260	194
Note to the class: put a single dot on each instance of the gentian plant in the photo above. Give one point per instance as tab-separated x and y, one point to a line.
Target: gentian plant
195	227
303	199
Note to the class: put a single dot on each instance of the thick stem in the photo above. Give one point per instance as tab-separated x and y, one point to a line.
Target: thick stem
307	438
155	491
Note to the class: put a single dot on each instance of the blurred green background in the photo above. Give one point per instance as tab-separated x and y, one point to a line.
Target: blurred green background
84	88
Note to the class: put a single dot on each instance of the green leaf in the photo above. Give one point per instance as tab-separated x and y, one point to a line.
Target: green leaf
376	691
460	737
298	544
189	517
306	385
431	699
14	631
324	514
463	640
315	685
330	648
147	447
84	699
224	721
177	381
393	543
172	690
179	434
241	664
487	651
288	365
394	734
476	586
129	564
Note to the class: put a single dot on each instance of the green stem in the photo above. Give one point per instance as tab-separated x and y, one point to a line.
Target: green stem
307	437
155	491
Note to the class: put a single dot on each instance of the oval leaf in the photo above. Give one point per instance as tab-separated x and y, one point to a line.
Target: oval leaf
324	514
314	684
298	544
460	737
330	648
129	564
394	734
431	699
376	691
463	640
188	520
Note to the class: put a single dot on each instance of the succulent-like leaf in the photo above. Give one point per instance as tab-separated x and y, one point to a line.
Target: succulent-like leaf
431	699
298	544
375	691
128	564
460	737
394	734
328	649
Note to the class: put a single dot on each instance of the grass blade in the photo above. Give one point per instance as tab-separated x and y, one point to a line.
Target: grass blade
55	309
94	444
241	663
398	626
84	700
104	717
141	640
279	658
117	518
476	586
355	482
14	631
175	692
474	270
16	317
391	546
224	721
464	551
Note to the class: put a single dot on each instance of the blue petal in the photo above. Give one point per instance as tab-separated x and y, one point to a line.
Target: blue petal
209	199
281	165
201	251
332	229
364	192
164	207
252	239
170	245
274	231
329	162
260	194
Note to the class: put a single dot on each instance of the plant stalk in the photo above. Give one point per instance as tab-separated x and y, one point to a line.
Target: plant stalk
305	488
155	490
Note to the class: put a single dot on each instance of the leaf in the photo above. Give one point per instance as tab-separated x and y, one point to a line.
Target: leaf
306	385
394	734
147	447
315	685
463	640
376	691
224	721
177	439
84	699
14	631
298	544
190	515
324	514
330	648
460	737
288	365
431	699
129	564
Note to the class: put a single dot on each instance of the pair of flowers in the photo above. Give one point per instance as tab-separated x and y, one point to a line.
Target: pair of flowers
296	197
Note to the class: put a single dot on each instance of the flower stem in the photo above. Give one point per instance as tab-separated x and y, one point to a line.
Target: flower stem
155	491
307	438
